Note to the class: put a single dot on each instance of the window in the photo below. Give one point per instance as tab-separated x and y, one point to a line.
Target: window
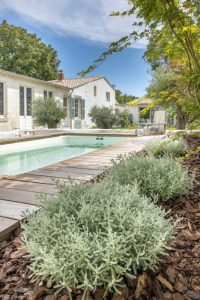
76	114
95	90
45	94
21	101
25	101
28	101
72	106
48	94
1	99
65	106
107	96
82	109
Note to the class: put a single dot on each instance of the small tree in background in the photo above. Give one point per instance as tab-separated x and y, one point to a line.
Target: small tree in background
103	117
123	119
47	112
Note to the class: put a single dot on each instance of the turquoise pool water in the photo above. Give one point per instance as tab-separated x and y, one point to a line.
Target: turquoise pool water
27	156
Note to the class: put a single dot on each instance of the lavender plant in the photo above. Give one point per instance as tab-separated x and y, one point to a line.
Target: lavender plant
174	147
161	178
91	235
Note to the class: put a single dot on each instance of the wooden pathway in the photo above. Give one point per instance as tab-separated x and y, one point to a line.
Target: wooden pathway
18	193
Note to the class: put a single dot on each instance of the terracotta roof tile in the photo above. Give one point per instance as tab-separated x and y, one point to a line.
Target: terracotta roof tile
75	82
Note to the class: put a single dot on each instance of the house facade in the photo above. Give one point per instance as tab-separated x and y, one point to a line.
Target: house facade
76	95
85	93
154	115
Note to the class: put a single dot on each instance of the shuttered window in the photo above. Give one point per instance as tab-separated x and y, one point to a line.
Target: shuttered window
82	109
65	106
1	99
29	101
95	90
76	108
72	108
45	94
107	96
50	94
21	100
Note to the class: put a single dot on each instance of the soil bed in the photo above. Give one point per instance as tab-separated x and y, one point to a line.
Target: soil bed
177	278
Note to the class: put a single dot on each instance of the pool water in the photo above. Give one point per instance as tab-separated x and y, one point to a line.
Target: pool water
24	157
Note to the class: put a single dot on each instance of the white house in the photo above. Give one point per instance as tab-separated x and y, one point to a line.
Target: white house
155	115
84	94
77	95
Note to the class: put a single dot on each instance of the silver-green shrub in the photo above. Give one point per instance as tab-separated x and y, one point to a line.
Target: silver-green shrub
168	147
92	235
161	178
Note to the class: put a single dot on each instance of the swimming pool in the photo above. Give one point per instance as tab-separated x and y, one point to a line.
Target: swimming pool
23	157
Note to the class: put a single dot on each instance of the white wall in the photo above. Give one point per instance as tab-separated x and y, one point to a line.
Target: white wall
11	120
11	117
86	92
133	110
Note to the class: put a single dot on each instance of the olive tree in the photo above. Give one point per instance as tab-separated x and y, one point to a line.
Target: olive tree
47	112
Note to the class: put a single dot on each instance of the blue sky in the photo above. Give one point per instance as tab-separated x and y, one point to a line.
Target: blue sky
80	31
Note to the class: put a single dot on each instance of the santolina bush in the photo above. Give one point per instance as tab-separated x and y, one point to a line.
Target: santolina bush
92	235
163	178
167	147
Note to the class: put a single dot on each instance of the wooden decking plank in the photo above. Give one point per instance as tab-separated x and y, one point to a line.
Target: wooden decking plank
74	170
67	163
28	186
14	210
19	196
43	179
6	226
61	174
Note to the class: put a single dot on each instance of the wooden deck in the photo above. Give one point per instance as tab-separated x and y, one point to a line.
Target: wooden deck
18	193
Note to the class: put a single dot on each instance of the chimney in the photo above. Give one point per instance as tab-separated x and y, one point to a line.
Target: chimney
60	75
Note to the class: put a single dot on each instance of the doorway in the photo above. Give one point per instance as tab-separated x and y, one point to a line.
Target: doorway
25	108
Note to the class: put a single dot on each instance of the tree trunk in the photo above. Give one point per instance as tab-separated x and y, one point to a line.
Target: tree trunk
181	120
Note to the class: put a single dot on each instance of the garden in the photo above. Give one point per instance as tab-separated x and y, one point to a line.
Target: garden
132	233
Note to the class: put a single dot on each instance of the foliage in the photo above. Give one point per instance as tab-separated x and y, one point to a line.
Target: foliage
26	54
92	235
173	26
103	117
170	146
123	98
47	111
168	89
194	125
123	119
162	178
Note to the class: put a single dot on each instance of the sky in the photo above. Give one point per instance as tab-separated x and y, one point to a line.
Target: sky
80	30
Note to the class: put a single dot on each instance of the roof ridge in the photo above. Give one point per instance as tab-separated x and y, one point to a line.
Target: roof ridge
69	78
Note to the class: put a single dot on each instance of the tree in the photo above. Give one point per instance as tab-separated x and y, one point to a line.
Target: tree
123	98
167	88
26	54
47	111
123	119
178	21
103	117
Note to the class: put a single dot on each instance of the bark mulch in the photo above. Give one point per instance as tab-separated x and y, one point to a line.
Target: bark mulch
177	278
